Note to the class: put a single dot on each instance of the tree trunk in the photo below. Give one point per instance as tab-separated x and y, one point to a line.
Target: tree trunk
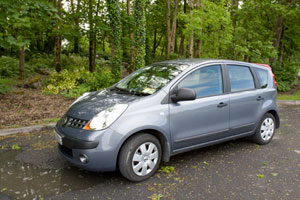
114	14
191	45
181	46
58	53
76	13
131	64
278	34
171	31
154	43
198	48
22	62
92	38
57	50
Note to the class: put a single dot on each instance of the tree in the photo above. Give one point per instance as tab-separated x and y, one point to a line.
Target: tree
140	33
17	20
131	38
76	13
58	36
191	38
171	30
114	13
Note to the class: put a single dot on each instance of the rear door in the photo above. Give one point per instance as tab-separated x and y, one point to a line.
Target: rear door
245	100
204	119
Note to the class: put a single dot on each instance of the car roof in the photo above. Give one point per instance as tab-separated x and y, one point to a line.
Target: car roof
193	62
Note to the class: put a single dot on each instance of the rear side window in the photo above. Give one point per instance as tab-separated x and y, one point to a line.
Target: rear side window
206	81
240	78
262	76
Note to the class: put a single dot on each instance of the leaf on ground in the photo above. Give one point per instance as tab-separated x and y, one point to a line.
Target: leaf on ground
260	176
167	169
205	163
3	189
15	147
274	174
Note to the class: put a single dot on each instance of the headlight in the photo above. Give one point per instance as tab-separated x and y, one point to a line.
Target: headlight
80	98
106	117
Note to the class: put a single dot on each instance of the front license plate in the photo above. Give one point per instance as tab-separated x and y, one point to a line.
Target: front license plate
58	138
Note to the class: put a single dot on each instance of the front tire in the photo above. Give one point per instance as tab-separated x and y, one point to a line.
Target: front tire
140	157
265	129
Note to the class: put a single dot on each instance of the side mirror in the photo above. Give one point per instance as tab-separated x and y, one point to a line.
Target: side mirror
183	94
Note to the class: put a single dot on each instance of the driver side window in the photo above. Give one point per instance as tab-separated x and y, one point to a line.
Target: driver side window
206	81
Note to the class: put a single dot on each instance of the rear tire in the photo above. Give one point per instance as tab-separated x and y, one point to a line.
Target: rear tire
140	157
265	129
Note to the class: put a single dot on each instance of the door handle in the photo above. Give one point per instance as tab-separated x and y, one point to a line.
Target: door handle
222	104
259	98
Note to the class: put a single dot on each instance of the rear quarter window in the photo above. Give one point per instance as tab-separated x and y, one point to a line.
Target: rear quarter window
262	76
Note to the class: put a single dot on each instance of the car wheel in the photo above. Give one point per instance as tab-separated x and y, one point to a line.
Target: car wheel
140	157
265	129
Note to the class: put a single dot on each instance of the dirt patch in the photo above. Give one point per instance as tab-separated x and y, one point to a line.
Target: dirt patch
28	107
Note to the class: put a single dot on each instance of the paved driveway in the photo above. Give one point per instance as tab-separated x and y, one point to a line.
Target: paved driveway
233	170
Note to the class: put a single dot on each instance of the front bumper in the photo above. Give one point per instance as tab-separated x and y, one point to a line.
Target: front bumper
101	152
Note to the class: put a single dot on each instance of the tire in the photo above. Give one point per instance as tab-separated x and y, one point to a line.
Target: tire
265	129
136	162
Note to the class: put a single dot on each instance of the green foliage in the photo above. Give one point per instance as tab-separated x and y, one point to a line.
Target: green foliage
72	83
41	61
286	76
114	14
8	67
140	33
5	85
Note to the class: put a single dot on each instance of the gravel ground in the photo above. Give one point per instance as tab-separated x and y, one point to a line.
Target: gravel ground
233	170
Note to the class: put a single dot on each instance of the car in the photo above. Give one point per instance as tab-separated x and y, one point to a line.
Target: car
168	108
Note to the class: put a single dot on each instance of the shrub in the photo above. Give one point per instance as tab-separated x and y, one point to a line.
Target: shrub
9	67
41	61
286	76
72	83
5	85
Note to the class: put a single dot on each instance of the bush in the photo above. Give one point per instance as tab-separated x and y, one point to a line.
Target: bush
9	67
5	85
72	83
286	76
40	61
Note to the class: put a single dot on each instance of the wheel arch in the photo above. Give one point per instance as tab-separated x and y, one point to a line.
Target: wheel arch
276	116
160	136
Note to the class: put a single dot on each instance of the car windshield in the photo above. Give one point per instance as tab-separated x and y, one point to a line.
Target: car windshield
150	79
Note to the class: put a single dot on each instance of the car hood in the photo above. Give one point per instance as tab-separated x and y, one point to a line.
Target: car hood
98	101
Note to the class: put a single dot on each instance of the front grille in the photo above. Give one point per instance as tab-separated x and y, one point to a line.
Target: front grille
76	123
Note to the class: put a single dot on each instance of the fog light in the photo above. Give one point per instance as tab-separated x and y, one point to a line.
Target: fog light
83	158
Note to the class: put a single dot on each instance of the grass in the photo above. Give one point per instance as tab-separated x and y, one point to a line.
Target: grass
294	97
52	120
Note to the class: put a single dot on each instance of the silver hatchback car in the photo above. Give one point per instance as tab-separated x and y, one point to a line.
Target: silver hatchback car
168	108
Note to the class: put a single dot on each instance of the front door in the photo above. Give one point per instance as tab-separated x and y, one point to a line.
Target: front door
204	119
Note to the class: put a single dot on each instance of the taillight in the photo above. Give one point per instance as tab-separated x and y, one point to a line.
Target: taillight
265	65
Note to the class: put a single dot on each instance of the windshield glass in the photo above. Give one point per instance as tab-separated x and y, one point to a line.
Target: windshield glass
151	78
